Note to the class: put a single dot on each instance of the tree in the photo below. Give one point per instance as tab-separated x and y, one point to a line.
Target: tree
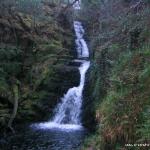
15	92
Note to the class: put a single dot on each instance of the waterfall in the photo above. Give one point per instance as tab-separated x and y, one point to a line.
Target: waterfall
68	111
77	5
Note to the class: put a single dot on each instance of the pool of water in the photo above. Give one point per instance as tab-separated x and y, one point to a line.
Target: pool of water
27	138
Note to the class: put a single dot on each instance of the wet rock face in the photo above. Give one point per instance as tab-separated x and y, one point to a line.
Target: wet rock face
69	76
88	113
74	63
65	77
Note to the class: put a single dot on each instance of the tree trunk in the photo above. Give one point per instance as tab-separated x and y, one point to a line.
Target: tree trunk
16	97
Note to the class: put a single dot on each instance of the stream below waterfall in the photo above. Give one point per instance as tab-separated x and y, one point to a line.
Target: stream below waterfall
49	139
64	131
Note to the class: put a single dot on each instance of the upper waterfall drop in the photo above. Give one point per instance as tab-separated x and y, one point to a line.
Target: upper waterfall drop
82	48
77	5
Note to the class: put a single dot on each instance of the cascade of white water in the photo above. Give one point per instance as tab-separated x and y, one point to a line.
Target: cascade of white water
77	5
69	110
67	113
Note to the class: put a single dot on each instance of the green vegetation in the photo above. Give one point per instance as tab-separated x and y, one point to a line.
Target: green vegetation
119	78
35	43
34	53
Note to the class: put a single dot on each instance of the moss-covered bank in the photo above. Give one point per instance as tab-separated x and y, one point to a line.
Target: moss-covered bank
35	51
118	85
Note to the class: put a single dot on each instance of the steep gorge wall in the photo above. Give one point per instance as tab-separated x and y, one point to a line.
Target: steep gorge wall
36	53
117	92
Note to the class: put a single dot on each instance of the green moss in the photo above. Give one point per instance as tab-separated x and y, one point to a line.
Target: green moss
143	129
122	113
42	45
